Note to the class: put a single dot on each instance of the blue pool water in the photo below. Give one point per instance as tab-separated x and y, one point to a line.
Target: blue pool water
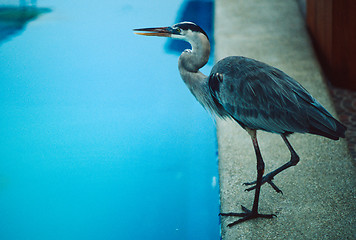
99	136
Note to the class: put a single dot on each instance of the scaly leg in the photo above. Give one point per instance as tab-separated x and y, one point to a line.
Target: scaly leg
251	214
269	177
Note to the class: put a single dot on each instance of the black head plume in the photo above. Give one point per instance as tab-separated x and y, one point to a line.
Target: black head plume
190	26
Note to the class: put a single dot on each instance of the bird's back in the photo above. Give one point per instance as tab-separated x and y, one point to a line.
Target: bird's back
259	96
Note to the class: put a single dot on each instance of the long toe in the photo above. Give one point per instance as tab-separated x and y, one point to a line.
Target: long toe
249	183
275	187
265	179
251	216
246	215
231	214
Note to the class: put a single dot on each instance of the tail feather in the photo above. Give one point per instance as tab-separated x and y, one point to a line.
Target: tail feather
321	122
332	128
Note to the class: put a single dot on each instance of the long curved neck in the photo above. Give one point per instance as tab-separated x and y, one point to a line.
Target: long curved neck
191	60
189	63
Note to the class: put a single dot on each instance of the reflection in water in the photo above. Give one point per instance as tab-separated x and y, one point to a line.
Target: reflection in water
13	19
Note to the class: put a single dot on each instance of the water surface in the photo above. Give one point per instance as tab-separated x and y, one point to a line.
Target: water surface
99	136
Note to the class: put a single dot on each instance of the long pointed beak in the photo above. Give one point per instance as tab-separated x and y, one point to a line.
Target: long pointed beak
157	31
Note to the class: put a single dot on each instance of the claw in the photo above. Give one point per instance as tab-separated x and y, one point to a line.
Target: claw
265	179
249	183
269	182
275	187
246	215
249	189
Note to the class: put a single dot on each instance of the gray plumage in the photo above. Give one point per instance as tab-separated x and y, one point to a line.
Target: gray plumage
254	94
262	97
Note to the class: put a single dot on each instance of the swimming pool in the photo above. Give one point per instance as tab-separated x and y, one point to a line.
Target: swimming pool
100	138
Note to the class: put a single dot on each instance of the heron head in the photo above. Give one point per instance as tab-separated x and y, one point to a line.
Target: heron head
187	31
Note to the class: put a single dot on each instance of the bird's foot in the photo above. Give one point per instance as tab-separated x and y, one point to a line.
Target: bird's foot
266	179
246	215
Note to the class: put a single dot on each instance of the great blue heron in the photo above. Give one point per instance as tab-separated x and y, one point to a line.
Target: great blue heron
255	95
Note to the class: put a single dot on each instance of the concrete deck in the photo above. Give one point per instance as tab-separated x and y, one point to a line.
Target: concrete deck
319	193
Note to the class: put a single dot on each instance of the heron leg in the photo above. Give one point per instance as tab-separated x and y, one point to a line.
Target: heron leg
269	177
251	214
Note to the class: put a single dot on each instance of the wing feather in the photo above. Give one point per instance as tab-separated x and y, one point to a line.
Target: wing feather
260	96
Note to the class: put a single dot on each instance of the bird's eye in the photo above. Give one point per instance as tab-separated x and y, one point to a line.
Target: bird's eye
179	30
